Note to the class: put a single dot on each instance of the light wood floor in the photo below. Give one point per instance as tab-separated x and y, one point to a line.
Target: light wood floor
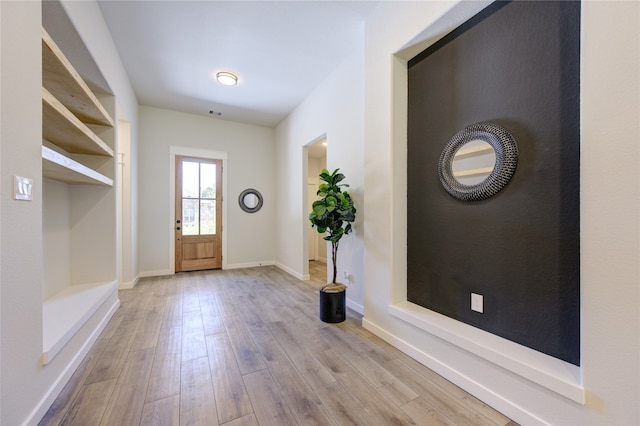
246	347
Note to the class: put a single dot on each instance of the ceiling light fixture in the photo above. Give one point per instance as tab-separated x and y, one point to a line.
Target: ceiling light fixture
227	78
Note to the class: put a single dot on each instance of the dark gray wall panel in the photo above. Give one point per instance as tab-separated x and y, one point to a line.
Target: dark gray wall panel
516	65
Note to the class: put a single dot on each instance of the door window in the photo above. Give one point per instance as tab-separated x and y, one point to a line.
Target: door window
198	198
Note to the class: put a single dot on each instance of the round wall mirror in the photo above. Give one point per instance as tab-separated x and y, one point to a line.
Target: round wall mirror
250	200
478	162
473	162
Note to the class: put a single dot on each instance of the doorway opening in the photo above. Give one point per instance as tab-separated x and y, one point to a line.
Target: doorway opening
198	214
316	161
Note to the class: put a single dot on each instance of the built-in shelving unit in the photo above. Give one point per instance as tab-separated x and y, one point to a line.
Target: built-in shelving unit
64	82
65	130
79	204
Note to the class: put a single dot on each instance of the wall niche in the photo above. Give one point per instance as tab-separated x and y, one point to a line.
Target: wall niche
517	65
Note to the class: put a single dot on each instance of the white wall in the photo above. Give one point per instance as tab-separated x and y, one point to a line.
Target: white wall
27	387
250	164
334	109
609	215
20	221
127	229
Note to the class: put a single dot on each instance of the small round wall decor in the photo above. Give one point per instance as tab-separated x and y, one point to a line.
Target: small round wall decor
250	200
475	146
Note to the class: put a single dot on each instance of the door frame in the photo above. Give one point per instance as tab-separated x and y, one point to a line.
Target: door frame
201	153
305	201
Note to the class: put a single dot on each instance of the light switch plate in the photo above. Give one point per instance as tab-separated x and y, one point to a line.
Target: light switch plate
22	188
477	302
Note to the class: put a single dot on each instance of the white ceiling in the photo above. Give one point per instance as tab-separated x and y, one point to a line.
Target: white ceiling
281	51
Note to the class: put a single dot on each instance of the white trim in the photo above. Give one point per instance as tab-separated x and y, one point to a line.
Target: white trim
158	273
250	264
67	312
197	152
201	153
301	277
355	306
54	391
554	374
305	276
489	397
129	285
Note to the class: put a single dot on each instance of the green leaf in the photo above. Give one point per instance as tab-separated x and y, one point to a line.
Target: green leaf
344	203
331	203
337	178
319	209
325	176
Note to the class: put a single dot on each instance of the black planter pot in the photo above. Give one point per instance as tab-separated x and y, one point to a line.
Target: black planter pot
333	306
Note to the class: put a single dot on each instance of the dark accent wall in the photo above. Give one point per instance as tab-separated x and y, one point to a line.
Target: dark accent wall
517	65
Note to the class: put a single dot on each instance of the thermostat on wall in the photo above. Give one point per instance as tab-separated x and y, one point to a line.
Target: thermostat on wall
22	188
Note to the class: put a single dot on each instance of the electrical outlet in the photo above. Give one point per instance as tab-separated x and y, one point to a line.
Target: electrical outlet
477	302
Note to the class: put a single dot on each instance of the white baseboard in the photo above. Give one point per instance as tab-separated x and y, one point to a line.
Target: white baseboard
290	271
129	285
158	273
478	390
50	396
355	306
250	264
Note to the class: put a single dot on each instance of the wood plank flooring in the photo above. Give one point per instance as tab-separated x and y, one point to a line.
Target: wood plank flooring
246	347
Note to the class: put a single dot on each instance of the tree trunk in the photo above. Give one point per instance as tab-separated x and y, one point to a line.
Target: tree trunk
334	258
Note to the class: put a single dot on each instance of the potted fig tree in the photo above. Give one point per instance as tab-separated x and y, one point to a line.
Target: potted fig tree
332	214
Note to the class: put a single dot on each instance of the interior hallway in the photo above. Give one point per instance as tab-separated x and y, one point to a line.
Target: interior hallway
246	347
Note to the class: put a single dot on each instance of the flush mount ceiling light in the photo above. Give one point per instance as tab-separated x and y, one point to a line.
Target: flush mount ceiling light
227	78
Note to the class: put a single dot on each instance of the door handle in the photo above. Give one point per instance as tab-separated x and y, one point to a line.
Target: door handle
177	228
178	221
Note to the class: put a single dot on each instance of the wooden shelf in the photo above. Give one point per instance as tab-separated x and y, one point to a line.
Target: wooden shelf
63	81
62	128
61	168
